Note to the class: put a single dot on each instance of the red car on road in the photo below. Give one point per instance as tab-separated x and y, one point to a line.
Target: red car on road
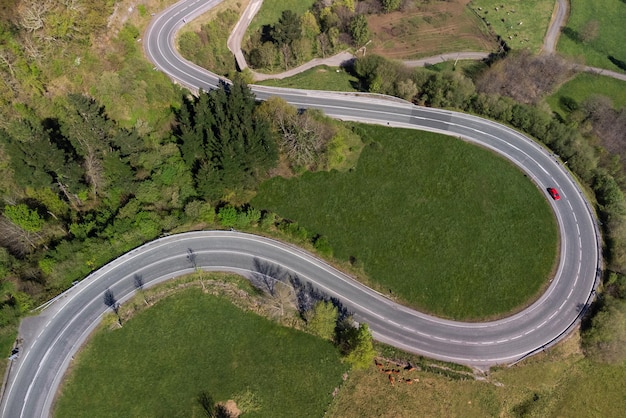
554	193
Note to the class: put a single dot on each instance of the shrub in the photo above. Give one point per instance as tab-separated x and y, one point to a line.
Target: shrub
227	216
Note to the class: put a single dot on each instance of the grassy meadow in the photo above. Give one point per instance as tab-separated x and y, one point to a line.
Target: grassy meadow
505	21
593	34
317	78
440	224
191	342
559	383
585	85
270	12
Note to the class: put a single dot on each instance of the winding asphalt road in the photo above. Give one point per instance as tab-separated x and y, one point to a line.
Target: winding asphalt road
53	337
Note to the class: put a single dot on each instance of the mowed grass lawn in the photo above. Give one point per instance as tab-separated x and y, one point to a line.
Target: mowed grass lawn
594	33
447	227
164	357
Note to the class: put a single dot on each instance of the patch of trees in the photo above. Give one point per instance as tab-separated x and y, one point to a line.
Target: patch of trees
323	316
224	145
307	139
36	33
330	25
608	124
303	137
524	77
52	47
79	190
604	332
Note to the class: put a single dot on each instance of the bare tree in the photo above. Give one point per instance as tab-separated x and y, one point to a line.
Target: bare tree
32	13
7	59
19	241
112	303
283	298
524	77
589	31
74	5
285	49
323	43
138	282
303	138
210	408
266	275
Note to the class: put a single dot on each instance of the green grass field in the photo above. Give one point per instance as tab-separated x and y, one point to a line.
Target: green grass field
317	78
445	226
271	10
584	85
533	15
594	35
165	356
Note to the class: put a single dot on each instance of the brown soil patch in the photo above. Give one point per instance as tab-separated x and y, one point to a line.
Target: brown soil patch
429	29
231	407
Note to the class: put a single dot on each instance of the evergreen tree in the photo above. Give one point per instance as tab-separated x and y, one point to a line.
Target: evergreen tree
38	162
287	29
222	141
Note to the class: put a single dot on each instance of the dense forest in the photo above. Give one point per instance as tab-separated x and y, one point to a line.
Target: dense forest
81	190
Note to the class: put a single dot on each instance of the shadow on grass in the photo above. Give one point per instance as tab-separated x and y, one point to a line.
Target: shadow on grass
572	34
618	63
267	275
568	104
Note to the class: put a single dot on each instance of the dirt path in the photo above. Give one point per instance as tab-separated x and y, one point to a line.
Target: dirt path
334	61
559	16
452	56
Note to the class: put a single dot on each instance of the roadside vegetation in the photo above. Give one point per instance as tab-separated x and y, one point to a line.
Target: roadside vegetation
593	34
426	199
204	42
